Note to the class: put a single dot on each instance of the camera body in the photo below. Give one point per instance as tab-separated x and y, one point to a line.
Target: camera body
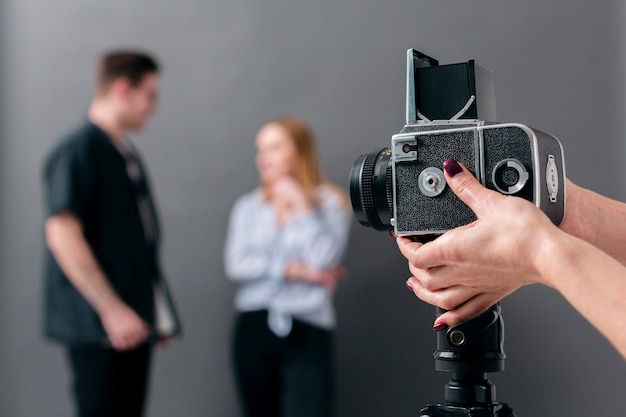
509	158
403	188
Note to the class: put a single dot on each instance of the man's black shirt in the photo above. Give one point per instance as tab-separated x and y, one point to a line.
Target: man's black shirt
86	175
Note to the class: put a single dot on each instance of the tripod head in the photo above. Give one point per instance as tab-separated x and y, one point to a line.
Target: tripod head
469	351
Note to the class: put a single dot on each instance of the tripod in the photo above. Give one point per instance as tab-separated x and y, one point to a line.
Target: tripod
469	351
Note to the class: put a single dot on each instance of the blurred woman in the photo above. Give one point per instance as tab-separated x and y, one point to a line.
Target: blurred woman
284	244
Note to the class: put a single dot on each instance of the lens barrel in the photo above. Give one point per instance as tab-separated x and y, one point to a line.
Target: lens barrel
371	189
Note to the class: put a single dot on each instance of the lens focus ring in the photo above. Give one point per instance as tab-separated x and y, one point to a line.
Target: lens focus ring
369	189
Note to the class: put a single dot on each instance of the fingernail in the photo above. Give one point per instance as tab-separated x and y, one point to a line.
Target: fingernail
451	167
440	327
408	285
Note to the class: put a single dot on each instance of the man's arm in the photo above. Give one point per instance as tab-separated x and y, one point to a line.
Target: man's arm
64	237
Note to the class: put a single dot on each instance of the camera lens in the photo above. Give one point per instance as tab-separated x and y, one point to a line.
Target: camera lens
371	189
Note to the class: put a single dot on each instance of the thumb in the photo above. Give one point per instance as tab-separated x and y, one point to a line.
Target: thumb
468	189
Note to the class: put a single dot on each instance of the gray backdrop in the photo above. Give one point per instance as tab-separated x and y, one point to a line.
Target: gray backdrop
230	65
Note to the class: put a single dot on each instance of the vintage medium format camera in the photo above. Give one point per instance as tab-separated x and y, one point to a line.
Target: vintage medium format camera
403	188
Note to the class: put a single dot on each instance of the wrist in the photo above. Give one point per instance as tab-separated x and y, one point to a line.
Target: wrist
303	207
109	305
558	249
580	213
294	271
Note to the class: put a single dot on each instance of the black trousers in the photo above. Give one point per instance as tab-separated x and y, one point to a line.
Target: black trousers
108	383
282	377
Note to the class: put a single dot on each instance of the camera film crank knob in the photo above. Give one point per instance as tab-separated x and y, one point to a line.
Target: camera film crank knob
509	176
431	181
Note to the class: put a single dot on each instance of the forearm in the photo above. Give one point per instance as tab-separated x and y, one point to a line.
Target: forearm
596	219
250	264
300	271
64	236
72	252
593	282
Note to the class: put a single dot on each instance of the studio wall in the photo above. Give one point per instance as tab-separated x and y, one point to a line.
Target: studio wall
229	66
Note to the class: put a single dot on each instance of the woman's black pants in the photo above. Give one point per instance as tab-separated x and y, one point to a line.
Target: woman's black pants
283	377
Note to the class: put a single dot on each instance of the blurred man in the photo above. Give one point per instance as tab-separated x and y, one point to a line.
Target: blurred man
106	299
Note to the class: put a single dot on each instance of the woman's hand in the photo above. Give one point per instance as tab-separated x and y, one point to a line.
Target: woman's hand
291	197
327	277
470	268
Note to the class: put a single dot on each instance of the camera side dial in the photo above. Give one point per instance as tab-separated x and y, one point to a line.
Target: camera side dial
509	176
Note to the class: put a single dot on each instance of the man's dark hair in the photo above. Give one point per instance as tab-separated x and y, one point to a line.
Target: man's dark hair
133	65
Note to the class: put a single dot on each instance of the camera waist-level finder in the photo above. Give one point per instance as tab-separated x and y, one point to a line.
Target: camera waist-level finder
403	188
448	92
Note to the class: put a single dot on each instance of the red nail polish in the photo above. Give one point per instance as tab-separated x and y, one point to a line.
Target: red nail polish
452	167
440	327
408	285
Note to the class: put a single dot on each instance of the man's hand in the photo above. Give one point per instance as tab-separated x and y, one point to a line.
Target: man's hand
125	329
